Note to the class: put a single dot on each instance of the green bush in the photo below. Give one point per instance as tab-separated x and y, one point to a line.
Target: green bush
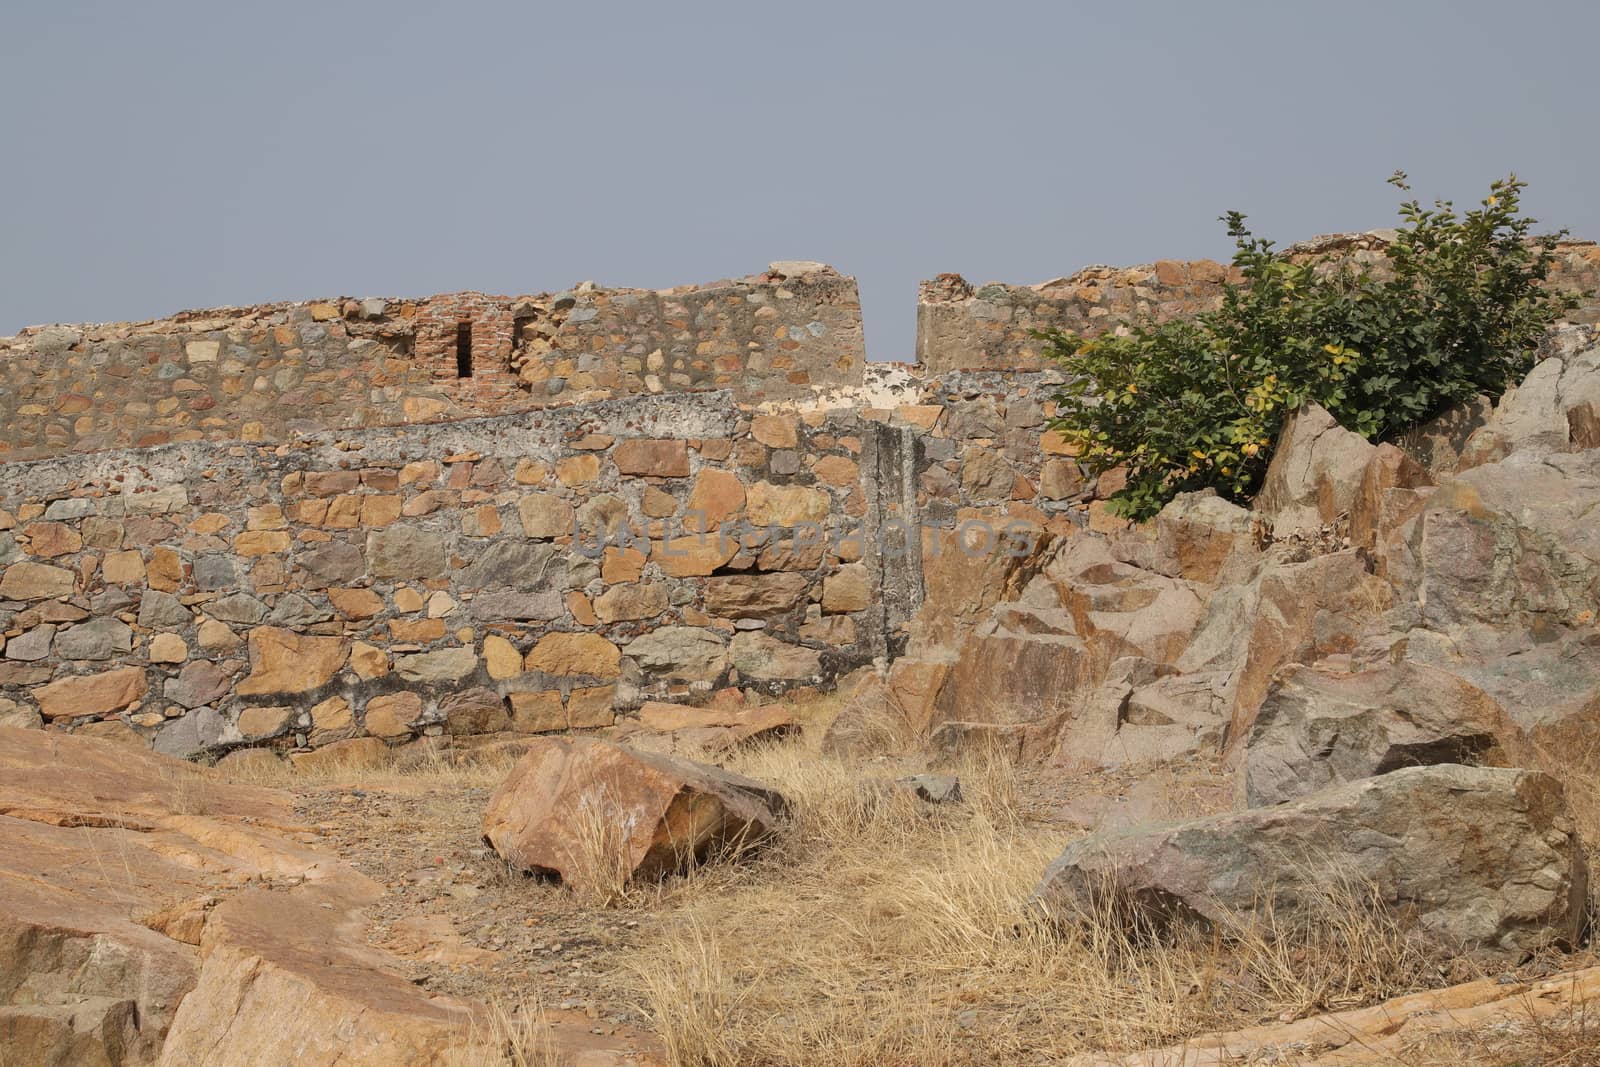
1457	308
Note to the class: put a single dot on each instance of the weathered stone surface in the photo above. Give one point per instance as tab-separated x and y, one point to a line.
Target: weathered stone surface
162	611
195	734
1314	475
659	813
1415	836
35	581
18	716
215	572
638	600
392	715
356	603
32	646
448	665
652	458
167	648
537	712
405	552
718	495
292	610
1319	728
847	590
199	682
1199	531
785	505
1552	409
681	653
1394	487
755	596
282	661
759	656
1273	611
239	608
545	515
332	720
256	723
585	654
526	565
499	605
86	983
91	694
1508	544
985	475
47	540
775	431
693	554
336	562
478	710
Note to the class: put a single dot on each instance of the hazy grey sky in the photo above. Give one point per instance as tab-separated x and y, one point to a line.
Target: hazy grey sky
160	156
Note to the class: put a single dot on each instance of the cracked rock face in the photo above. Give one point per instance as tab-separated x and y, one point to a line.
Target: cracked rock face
1476	859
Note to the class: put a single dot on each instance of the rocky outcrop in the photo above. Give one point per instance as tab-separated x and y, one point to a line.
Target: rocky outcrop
152	913
1416	837
126	936
588	811
1314	475
1320	727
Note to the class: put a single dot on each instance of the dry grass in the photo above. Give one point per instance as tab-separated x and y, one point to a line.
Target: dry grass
512	1035
429	768
1571	1039
879	930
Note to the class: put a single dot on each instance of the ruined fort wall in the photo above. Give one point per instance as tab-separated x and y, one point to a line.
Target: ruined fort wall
961	326
270	372
427	579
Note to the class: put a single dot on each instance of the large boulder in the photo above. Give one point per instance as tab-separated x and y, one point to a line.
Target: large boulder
1314	475
588	810
1320	727
1508	544
1275	610
1475	859
1556	407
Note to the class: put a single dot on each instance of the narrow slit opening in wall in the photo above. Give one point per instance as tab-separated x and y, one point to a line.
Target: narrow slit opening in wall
463	350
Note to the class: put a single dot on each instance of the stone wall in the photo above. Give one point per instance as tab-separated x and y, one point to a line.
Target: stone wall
270	372
428	579
961	326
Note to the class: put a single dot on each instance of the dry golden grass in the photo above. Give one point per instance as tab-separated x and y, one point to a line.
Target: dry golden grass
427	769
514	1034
1571	1039
879	930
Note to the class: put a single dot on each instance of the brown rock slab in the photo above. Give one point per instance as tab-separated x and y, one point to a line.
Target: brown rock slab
391	716
786	505
755	596
652	458
582	654
35	581
91	694
581	808
718	495
282	661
